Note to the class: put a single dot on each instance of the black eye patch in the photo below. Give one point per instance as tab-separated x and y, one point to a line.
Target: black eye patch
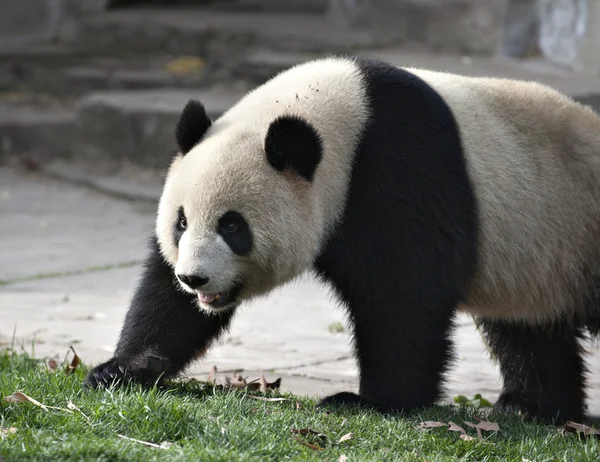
235	231
180	226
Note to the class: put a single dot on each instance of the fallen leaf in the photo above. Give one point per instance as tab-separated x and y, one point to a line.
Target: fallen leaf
264	385
307	444
342	458
264	398
185	65
74	362
52	365
456	428
212	374
346	437
575	427
466	437
431	424
237	381
472	425
18	397
298	405
163	445
488	426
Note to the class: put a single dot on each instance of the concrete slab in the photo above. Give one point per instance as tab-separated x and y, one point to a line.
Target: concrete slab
53	228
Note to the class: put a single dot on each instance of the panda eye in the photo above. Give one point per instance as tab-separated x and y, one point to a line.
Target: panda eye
230	227
181	219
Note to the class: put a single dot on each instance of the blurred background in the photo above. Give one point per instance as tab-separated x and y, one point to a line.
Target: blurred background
89	94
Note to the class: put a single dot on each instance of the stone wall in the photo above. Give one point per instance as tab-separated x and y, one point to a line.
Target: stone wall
466	26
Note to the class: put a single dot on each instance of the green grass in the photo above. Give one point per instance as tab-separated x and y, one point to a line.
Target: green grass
205	423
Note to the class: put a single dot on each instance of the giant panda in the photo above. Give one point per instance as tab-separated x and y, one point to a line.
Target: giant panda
414	194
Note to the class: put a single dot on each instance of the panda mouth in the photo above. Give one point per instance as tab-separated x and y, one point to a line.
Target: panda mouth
219	299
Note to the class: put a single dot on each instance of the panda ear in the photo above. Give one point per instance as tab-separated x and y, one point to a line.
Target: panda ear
192	126
292	143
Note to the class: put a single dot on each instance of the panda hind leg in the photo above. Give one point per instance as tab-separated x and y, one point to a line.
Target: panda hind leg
542	368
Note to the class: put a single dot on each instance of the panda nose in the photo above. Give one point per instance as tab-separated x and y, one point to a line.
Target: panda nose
195	282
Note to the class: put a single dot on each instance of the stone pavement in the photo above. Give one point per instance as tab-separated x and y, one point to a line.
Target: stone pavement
70	257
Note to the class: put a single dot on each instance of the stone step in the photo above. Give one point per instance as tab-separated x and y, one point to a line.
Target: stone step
215	35
33	127
138	126
65	71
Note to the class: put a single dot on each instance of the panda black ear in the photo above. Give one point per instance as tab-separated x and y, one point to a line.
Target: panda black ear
293	143
192	126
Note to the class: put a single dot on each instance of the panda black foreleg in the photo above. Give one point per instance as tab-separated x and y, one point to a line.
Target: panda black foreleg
542	369
163	330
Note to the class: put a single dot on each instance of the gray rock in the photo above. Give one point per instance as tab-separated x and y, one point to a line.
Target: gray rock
138	126
27	128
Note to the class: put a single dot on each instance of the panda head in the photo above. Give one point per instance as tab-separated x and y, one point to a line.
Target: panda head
237	216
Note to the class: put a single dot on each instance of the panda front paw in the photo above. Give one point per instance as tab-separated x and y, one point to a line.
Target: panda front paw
106	375
119	371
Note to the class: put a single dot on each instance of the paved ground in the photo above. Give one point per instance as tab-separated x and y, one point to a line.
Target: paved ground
71	257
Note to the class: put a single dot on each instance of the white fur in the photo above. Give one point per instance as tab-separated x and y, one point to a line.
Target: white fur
289	217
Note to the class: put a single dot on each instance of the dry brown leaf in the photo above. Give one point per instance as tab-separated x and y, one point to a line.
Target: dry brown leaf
581	428
307	444
237	381
343	458
7	431
18	397
431	424
472	425
212	374
456	428
346	437
466	437
488	426
163	445
264	398
52	365
74	362
185	65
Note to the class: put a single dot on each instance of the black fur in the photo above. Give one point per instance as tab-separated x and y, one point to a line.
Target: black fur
292	142
192	126
542	367
239	240
406	248
163	331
